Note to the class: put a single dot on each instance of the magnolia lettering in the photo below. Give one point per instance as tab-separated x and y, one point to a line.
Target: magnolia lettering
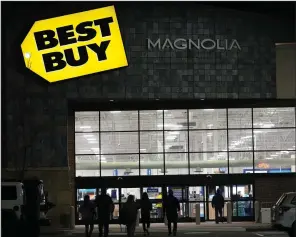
49	39
184	44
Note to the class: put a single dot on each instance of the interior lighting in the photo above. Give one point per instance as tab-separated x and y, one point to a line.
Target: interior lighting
208	110
85	127
115	112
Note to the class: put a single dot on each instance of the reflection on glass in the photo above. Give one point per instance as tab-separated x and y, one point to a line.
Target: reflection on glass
151	142
154	193
240	162
125	192
203	141
175	120
176	141
274	161
82	192
120	165
87	143
119	142
196	193
274	139
157	210
243	208
207	119
240	118
119	120
115	214
176	163
240	140
208	163
151	119
152	164
87	121
274	117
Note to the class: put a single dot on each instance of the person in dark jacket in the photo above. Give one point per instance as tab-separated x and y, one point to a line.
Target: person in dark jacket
129	214
105	208
218	204
146	207
87	211
172	207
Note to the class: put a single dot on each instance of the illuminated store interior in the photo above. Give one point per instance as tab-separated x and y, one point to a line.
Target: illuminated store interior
184	142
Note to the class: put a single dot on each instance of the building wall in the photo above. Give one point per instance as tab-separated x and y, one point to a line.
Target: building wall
35	112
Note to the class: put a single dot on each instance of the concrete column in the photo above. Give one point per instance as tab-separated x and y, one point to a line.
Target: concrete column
286	70
197	214
257	211
72	217
138	218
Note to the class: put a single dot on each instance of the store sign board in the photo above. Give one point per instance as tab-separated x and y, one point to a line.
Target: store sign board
190	44
75	45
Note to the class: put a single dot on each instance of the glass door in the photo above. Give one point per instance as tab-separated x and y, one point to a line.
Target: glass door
92	193
197	195
155	196
181	193
242	202
211	190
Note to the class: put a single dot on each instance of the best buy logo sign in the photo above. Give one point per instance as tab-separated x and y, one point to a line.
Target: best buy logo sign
75	45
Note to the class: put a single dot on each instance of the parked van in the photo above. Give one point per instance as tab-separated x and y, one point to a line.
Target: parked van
13	197
284	213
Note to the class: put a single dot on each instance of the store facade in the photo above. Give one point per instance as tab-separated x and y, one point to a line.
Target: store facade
211	78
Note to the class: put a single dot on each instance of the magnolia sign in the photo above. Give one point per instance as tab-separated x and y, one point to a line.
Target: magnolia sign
185	44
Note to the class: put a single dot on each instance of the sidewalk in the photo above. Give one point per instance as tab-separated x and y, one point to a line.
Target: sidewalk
160	228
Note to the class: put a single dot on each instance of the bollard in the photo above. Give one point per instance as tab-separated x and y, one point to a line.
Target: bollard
197	214
229	212
138	218
72	217
257	211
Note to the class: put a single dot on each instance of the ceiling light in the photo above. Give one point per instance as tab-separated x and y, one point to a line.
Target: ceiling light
85	150
268	158
171	137
91	139
115	112
85	127
258	131
93	142
210	125
174	133
208	109
284	152
143	149
209	134
273	155
111	100
88	135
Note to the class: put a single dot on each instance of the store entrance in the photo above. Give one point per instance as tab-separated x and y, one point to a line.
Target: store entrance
240	196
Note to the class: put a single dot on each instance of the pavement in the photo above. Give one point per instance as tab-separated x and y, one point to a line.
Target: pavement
209	229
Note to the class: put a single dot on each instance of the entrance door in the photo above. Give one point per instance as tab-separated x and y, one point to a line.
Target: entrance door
211	190
155	196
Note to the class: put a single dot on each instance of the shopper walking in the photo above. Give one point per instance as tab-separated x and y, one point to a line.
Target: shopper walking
172	208
146	207
105	207
129	214
87	211
218	203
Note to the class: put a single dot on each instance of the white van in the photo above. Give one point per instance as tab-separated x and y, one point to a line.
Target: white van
284	213
12	197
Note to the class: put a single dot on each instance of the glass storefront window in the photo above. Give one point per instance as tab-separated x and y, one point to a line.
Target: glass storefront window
240	162
274	162
90	192
274	117
87	121
240	140
120	165
125	192
192	210
152	164
119	121
151	120
87	143
196	193
208	163
240	118
87	165
176	163
274	139
151	142
154	193
207	119
176	141
175	120
205	141
119	142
